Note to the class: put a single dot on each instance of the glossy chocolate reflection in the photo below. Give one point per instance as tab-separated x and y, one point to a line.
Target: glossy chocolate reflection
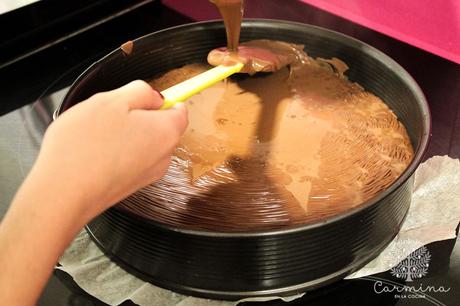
276	150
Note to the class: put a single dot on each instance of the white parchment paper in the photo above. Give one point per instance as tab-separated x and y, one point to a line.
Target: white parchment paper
433	216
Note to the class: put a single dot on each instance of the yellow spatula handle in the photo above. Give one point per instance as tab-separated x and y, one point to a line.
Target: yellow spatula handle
182	91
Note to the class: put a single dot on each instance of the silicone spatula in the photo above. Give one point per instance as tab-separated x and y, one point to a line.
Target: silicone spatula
182	91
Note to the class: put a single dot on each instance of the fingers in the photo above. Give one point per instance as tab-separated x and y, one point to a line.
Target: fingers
174	119
170	123
178	116
136	94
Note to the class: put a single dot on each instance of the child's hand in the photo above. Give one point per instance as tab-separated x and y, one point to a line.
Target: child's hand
111	145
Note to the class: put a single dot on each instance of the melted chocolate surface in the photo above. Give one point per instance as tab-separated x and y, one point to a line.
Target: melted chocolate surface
276	150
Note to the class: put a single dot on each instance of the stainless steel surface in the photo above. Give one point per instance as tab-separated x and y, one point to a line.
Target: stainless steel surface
21	133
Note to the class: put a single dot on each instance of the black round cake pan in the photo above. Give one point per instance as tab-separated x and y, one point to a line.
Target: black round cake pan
271	263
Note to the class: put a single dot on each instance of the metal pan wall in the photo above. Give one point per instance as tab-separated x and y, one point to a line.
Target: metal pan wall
283	262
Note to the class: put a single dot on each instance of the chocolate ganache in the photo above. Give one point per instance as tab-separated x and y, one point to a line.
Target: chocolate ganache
275	150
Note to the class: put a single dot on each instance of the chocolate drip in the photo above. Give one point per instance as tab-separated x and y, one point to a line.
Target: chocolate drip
232	13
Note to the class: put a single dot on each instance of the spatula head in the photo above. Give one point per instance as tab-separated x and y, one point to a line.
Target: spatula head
258	55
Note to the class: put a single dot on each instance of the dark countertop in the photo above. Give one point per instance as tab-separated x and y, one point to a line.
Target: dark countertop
21	130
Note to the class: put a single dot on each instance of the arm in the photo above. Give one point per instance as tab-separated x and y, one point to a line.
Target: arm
92	156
